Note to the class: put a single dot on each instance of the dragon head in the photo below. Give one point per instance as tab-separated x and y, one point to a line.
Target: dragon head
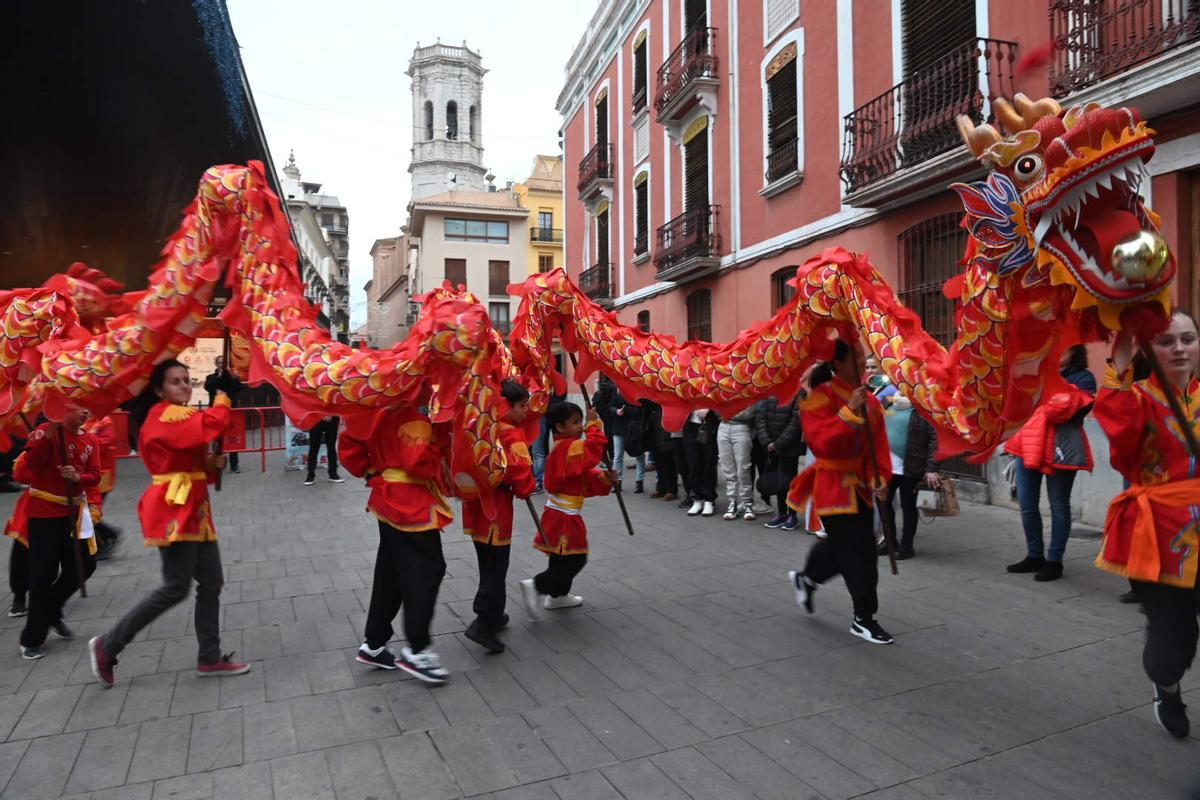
1062	202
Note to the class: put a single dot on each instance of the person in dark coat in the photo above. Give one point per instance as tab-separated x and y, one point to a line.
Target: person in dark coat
914	442
700	447
777	431
658	441
623	424
222	380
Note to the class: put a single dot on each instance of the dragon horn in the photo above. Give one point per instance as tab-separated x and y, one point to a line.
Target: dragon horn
978	139
1009	117
1032	111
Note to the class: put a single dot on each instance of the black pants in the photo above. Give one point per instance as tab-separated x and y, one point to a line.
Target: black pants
324	431
1171	630
18	571
681	465
556	579
849	549
906	487
52	575
667	481
493	572
409	568
702	463
789	465
182	562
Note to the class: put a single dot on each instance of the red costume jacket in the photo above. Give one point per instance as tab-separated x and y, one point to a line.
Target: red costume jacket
1151	530
404	463
571	475
843	473
106	435
518	480
46	497
173	444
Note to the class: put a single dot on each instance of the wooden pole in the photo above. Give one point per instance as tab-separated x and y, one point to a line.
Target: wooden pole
889	532
605	461
72	513
533	513
219	444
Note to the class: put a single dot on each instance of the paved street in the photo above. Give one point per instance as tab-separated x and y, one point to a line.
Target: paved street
688	673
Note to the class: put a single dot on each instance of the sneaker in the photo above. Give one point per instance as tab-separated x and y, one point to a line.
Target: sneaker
905	555
776	521
17	609
749	516
1169	710
336	479
503	622
790	524
639	487
566	601
224	666
102	663
685	502
870	630
530	597
1027	564
235	470
539	490
1129	598
63	630
804	590
310	480
708	509
424	666
696	508
820	533
1050	571
484	636
32	653
380	658
730	513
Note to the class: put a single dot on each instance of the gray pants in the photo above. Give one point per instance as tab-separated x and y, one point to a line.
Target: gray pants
181	562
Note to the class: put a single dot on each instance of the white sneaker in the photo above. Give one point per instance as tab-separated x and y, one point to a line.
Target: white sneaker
708	509
804	590
731	512
425	665
749	515
566	601
529	597
696	508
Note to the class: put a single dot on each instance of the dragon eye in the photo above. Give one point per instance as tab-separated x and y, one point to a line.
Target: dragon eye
1028	167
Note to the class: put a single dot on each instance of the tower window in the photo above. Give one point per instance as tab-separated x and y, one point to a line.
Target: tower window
452	120
428	120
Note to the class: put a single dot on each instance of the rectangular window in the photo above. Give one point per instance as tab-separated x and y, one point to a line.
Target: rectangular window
641	222
699	315
546	220
780	14
326	219
476	230
639	76
499	312
602	238
456	271
602	121
781	123
545	262
781	292
498	278
695	171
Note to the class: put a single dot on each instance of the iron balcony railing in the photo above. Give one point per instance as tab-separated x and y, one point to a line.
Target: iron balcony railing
1094	40
695	57
783	160
503	327
915	119
690	235
594	281
596	165
539	234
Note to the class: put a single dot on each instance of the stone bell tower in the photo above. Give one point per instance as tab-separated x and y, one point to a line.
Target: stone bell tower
447	93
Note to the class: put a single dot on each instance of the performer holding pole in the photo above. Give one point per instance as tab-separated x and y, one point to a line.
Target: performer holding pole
493	535
850	453
177	519
571	475
59	459
605	462
1150	530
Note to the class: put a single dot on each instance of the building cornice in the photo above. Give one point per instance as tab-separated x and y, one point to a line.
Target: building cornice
598	47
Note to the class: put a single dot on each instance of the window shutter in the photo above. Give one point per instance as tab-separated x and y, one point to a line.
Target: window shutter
932	28
695	170
641	221
602	238
602	121
780	14
781	105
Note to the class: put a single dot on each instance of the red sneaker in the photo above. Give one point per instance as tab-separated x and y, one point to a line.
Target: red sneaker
225	666
102	662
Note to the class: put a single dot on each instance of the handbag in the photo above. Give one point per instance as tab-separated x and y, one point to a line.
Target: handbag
773	481
939	502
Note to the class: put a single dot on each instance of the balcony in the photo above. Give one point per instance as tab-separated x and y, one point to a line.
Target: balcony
595	174
907	137
688	76
594	282
688	246
503	327
1111	52
548	235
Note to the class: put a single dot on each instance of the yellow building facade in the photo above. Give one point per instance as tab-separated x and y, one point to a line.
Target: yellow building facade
542	194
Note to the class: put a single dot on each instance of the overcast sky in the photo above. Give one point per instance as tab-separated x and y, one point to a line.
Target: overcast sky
328	78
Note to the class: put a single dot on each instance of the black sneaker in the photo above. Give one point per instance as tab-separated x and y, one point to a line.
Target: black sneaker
335	478
63	630
1027	564
32	653
804	590
1050	571
1129	598
639	487
1171	712
425	665
685	502
870	630
380	659
503	622
17	609
484	636
905	555
310	480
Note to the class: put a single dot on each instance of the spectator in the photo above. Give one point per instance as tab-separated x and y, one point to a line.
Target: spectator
222	380
913	442
324	431
777	430
700	447
624	429
657	441
881	385
734	437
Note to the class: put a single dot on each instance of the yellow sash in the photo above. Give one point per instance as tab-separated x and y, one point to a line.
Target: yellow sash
179	484
396	475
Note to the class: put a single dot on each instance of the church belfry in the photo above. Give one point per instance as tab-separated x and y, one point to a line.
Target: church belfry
447	91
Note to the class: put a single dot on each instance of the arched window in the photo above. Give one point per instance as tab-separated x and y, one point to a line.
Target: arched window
699	315
473	121
643	321
452	120
781	292
428	120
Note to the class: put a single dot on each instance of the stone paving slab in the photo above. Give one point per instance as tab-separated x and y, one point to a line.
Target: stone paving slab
688	673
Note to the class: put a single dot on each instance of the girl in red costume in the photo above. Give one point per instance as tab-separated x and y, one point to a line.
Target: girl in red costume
571	475
176	518
1152	532
843	483
405	464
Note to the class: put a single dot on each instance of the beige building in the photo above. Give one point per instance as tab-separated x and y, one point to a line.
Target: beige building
542	194
387	293
476	239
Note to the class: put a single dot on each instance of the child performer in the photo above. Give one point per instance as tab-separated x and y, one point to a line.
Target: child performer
176	518
571	475
493	536
106	435
405	463
43	520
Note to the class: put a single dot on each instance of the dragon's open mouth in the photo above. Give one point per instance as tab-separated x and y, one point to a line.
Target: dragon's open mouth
1083	218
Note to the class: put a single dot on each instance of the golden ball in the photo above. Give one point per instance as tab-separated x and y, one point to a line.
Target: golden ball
1141	256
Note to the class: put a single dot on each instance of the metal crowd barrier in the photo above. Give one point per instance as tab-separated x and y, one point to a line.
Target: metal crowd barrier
256	429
